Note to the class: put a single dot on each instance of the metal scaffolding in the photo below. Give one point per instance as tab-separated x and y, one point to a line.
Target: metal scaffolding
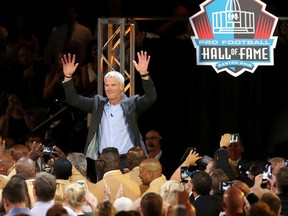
116	50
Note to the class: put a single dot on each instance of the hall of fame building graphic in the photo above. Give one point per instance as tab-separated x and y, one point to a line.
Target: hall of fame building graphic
234	35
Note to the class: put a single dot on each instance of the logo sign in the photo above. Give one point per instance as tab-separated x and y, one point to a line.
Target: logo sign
234	35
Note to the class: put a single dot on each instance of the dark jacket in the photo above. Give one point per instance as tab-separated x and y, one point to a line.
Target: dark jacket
132	107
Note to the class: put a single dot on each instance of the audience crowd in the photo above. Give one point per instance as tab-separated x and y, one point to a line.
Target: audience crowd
39	181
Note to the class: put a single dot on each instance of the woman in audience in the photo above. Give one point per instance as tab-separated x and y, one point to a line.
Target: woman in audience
16	122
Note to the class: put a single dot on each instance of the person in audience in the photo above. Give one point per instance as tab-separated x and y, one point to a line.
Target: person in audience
15	197
25	167
106	208
151	204
33	141
57	210
168	190
230	157
21	34
250	196
282	188
150	172
128	213
9	142
17	121
122	203
234	202
201	188
18	151
6	165
260	208
44	187
211	166
70	32
276	163
218	176
134	157
79	166
29	78
274	202
183	205
74	199
62	172
257	185
108	166
153	142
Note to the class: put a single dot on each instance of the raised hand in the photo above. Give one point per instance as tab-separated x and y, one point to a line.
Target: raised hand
225	140
68	64
191	158
143	62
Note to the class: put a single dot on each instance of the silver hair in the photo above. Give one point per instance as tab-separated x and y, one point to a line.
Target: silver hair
117	75
78	160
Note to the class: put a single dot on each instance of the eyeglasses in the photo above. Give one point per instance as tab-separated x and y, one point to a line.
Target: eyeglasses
152	138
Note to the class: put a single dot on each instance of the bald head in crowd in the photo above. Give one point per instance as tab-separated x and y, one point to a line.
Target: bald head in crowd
233	201
25	167
6	163
150	169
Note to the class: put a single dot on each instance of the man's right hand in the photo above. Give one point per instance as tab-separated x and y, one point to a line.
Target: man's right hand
225	140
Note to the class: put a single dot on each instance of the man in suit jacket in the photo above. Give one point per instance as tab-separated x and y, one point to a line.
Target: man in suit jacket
114	117
204	203
113	178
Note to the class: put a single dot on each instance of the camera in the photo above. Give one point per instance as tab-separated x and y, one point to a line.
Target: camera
267	172
184	173
225	185
235	138
48	150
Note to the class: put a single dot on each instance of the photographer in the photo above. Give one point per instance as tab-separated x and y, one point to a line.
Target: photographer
230	160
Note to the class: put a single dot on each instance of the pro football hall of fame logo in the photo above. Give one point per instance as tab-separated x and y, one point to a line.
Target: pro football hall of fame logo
234	35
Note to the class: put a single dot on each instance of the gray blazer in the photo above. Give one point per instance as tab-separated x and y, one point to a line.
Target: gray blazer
132	106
